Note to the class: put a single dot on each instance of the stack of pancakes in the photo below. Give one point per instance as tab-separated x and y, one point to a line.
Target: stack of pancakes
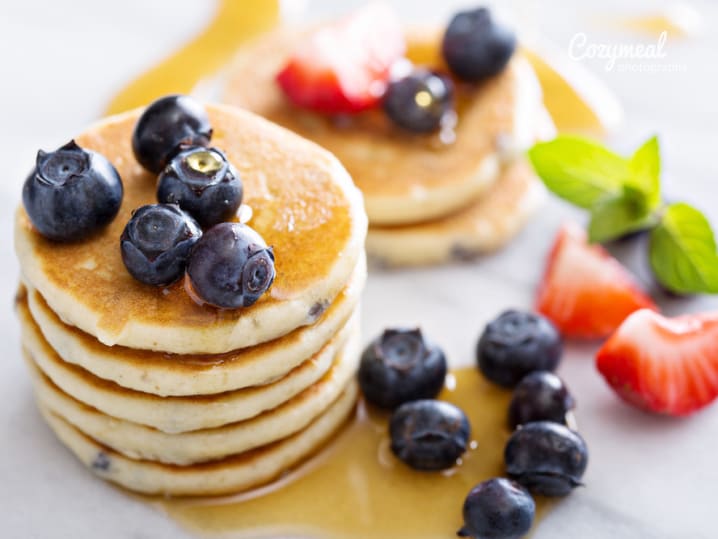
161	395
429	198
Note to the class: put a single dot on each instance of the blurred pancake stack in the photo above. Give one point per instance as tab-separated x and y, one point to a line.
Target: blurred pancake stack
452	193
160	394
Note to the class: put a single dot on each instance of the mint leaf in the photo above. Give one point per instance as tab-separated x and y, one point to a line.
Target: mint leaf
611	218
683	251
633	210
645	169
580	171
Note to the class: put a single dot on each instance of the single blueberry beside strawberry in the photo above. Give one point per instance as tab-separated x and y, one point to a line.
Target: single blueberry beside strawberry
419	101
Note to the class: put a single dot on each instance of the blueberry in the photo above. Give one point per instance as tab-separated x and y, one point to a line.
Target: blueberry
475	47
231	266
540	396
401	366
71	193
498	509
515	344
203	183
165	127
419	101
546	458
156	243
429	434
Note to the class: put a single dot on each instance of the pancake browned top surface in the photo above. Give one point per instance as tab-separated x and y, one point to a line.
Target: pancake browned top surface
303	203
387	164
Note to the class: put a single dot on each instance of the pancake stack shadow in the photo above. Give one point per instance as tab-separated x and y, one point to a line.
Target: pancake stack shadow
163	396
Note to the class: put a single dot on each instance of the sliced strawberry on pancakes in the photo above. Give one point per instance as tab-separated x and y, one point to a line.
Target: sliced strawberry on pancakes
585	291
663	365
344	67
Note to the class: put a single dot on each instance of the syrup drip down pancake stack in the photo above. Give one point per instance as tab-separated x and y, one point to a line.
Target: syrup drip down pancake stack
438	156
161	392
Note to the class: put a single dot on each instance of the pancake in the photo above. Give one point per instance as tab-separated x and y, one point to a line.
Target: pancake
229	475
485	226
140	442
304	205
405	178
181	375
177	414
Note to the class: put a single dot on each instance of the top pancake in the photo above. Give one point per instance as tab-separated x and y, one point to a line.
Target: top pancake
405	178
304	205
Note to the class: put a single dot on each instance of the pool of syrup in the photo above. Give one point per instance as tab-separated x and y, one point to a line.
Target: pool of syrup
356	489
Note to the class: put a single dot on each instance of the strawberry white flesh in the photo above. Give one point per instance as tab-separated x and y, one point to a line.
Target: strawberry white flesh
663	365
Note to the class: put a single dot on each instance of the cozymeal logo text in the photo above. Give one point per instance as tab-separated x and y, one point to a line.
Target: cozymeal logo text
615	54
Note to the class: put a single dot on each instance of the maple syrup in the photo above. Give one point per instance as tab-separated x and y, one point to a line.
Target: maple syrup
356	489
235	22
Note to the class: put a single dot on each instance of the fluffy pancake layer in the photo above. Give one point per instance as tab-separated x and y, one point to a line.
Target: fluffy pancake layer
484	226
178	414
405	179
141	442
165	374
304	204
231	474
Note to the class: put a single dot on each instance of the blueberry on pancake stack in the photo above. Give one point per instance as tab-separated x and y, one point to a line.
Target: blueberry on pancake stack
430	123
189	301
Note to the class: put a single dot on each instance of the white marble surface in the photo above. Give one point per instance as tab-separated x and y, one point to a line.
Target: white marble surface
648	477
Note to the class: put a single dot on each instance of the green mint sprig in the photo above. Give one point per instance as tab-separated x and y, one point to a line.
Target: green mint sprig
623	195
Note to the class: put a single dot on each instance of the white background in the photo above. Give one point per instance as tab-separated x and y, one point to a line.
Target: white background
648	477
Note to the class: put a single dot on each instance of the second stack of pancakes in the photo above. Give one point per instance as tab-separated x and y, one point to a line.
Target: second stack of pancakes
164	396
430	198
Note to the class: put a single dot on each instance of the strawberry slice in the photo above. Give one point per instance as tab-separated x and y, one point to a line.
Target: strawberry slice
663	365
585	291
344	67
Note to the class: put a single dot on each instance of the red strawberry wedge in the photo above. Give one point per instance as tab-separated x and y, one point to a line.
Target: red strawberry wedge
344	67
663	365
586	292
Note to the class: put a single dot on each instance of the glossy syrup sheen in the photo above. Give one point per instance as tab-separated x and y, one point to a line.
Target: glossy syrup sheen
298	207
357	489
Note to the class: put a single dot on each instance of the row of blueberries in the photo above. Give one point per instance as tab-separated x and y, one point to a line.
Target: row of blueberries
404	372
73	192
